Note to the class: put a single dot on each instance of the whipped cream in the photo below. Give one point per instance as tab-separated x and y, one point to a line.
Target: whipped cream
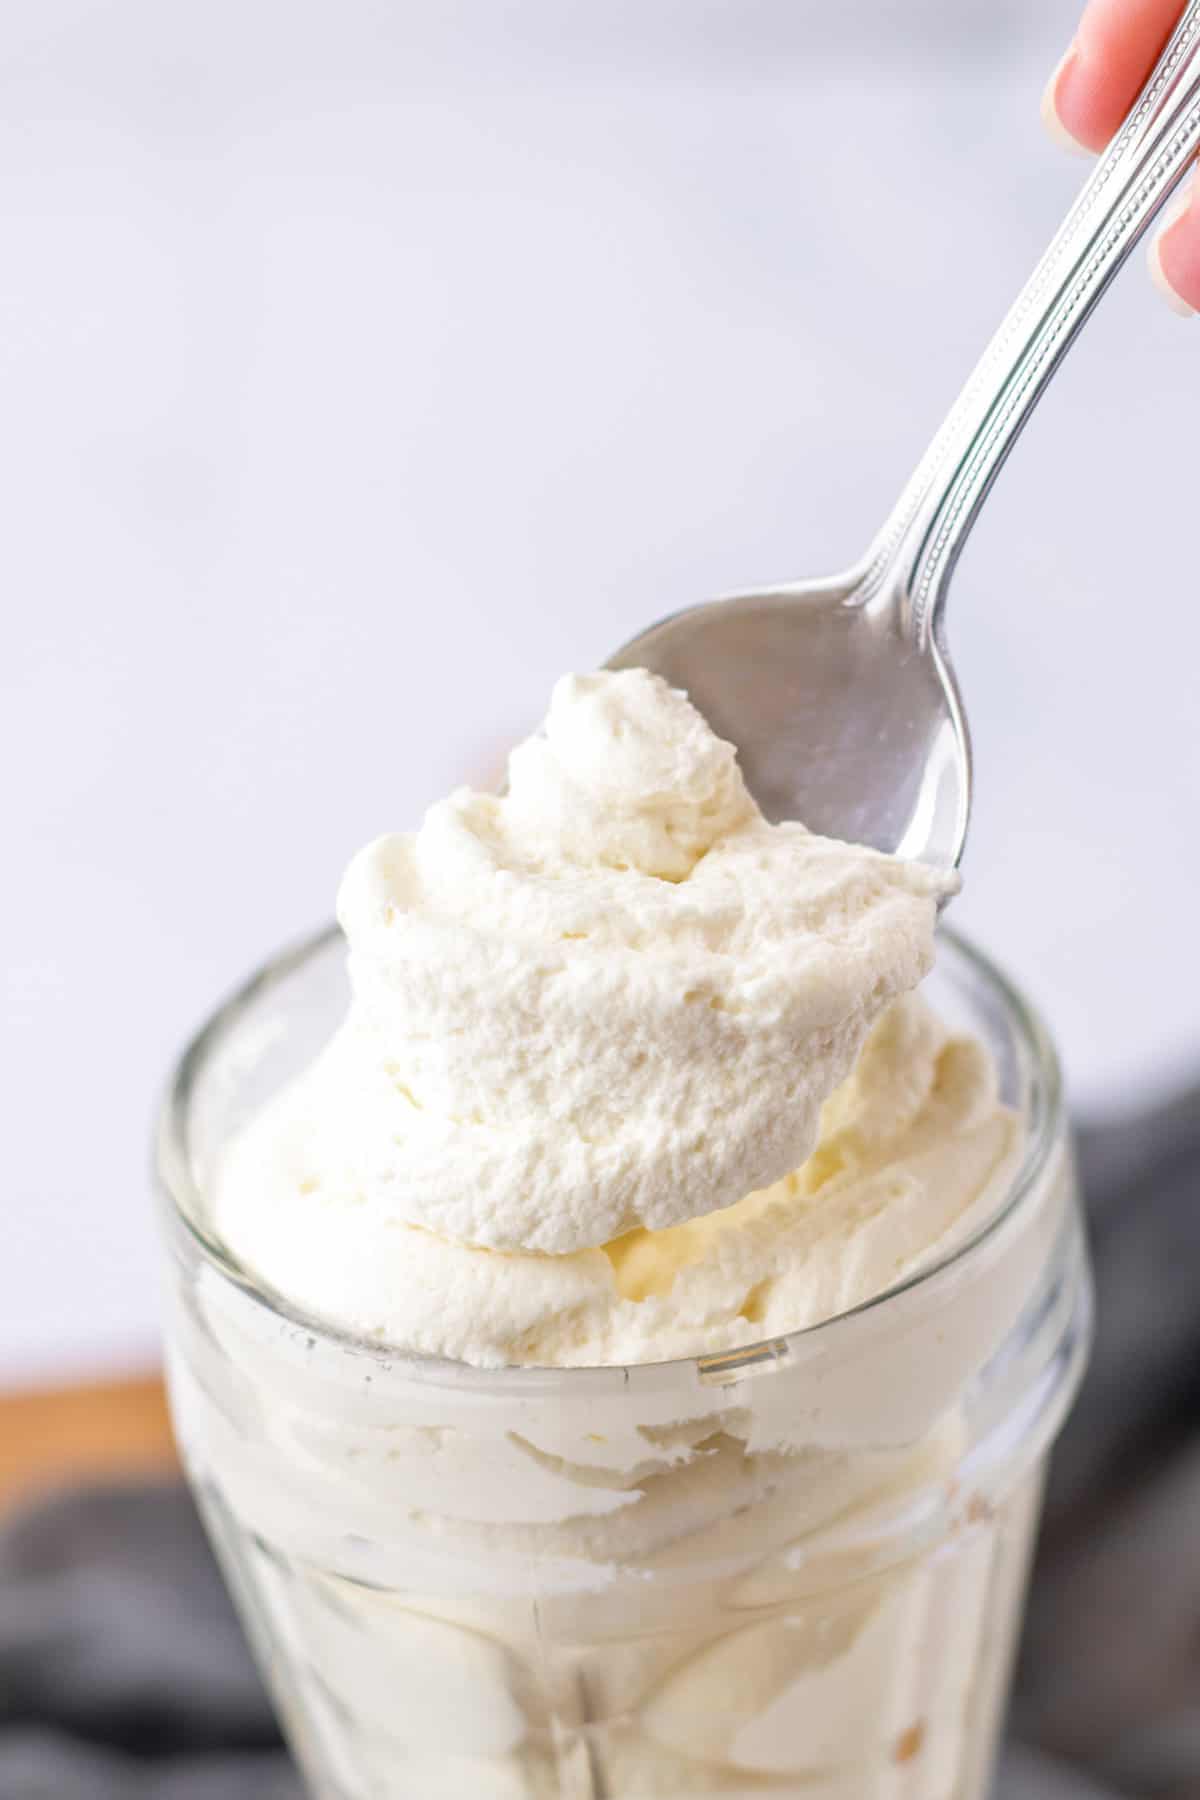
602	1093
629	1077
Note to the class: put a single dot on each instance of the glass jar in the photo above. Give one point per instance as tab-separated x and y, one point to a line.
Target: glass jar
795	1569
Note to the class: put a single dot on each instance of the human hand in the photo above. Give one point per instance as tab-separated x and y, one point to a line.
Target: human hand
1088	96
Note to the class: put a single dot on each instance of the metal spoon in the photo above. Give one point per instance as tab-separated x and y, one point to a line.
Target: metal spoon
839	694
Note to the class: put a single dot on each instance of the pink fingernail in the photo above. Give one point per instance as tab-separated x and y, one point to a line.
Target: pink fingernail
1158	274
1050	114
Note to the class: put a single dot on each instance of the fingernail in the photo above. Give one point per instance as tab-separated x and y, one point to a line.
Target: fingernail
1158	273
1050	116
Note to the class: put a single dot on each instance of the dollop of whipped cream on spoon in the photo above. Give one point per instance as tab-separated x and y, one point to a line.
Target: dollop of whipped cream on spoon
614	997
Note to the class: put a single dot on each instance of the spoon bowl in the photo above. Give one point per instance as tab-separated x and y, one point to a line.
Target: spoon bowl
839	721
839	694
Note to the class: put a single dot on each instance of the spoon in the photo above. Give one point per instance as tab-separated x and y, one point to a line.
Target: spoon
839	694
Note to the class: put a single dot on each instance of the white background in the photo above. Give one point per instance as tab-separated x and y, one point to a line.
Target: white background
366	365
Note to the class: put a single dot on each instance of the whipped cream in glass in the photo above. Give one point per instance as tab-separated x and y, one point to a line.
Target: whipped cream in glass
621	1361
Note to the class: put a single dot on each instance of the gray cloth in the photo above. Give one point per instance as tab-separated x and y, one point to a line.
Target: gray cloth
1026	1774
123	1672
1110	1667
123	1675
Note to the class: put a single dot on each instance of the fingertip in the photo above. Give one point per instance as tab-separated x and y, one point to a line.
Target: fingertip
1052	117
1174	258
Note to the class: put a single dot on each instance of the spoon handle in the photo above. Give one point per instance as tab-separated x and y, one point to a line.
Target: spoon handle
914	556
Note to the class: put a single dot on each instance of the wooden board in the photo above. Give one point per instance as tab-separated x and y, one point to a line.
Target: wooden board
110	1429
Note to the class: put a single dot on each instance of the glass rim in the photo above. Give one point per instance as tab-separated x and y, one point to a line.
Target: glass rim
182	1201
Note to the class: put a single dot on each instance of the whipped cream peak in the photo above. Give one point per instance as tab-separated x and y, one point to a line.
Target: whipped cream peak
626	773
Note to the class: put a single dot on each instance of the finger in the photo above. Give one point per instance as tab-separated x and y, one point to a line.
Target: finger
1095	84
1175	254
